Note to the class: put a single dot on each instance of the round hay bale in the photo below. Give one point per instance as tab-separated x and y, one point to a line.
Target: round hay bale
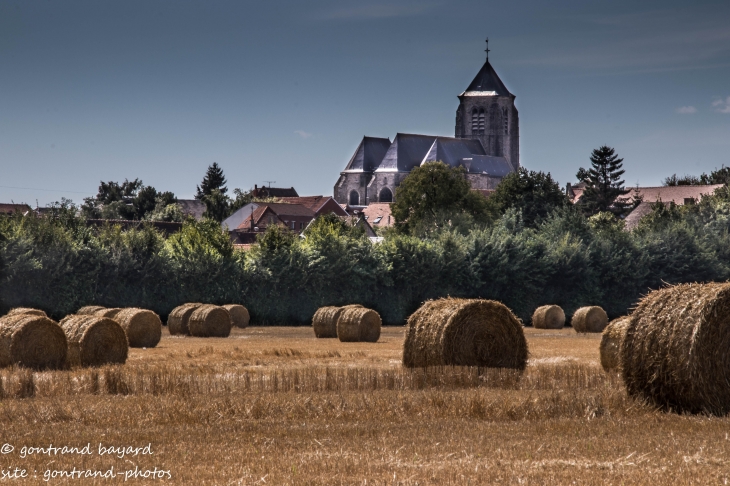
548	317
589	319
239	315
464	332
89	310
675	351
177	321
26	310
324	321
143	327
111	313
94	340
210	321
611	341
356	323
32	341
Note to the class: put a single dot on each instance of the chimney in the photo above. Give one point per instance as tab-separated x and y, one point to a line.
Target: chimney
568	190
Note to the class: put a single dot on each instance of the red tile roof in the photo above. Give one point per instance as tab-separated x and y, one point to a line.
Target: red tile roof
315	203
677	194
6	208
378	210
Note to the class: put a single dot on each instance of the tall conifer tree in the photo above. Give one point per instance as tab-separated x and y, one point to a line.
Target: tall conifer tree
603	182
214	179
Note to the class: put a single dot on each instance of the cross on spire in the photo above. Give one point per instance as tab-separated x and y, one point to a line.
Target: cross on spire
487	49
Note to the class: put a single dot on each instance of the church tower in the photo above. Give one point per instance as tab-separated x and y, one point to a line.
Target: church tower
487	113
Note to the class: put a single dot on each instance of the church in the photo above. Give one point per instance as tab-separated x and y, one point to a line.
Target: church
485	142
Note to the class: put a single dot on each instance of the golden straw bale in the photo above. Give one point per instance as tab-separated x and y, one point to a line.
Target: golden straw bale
26	310
110	312
210	321
589	319
239	315
32	341
548	317
143	327
94	340
89	310
611	340
177	321
357	323
464	332
675	351
324	321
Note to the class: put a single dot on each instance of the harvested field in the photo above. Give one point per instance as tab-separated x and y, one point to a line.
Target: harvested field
278	406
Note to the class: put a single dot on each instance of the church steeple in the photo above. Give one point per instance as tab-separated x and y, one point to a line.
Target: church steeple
487	113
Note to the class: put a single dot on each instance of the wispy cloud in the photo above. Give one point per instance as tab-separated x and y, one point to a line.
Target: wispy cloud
721	106
303	134
686	110
376	11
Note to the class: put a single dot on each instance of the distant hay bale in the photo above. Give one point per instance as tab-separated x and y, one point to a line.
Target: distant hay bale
89	310
94	340
177	321
239	315
110	313
589	319
675	351
464	332
611	341
143	327
210	321
548	317
357	323
32	341
26	310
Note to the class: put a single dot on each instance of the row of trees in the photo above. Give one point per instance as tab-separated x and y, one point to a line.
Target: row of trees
58	264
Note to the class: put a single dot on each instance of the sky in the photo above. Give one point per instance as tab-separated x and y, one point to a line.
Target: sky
284	90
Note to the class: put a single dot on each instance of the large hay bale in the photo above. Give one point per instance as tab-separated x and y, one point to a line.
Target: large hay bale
611	341
239	315
210	321
110	312
26	310
675	351
32	341
143	327
357	323
177	321
548	317
89	310
464	332
94	340
589	319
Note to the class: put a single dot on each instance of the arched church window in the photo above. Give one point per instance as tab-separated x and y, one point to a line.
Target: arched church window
385	181
505	120
386	195
481	121
474	121
354	198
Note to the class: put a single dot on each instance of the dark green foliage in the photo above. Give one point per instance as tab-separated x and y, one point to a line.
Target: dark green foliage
129	200
535	194
717	176
217	205
213	179
58	264
432	196
603	183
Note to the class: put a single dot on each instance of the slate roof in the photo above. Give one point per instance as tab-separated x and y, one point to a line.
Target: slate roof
274	191
487	83
468	153
406	152
316	203
369	154
192	207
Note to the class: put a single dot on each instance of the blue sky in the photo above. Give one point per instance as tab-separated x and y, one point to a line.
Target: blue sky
284	90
